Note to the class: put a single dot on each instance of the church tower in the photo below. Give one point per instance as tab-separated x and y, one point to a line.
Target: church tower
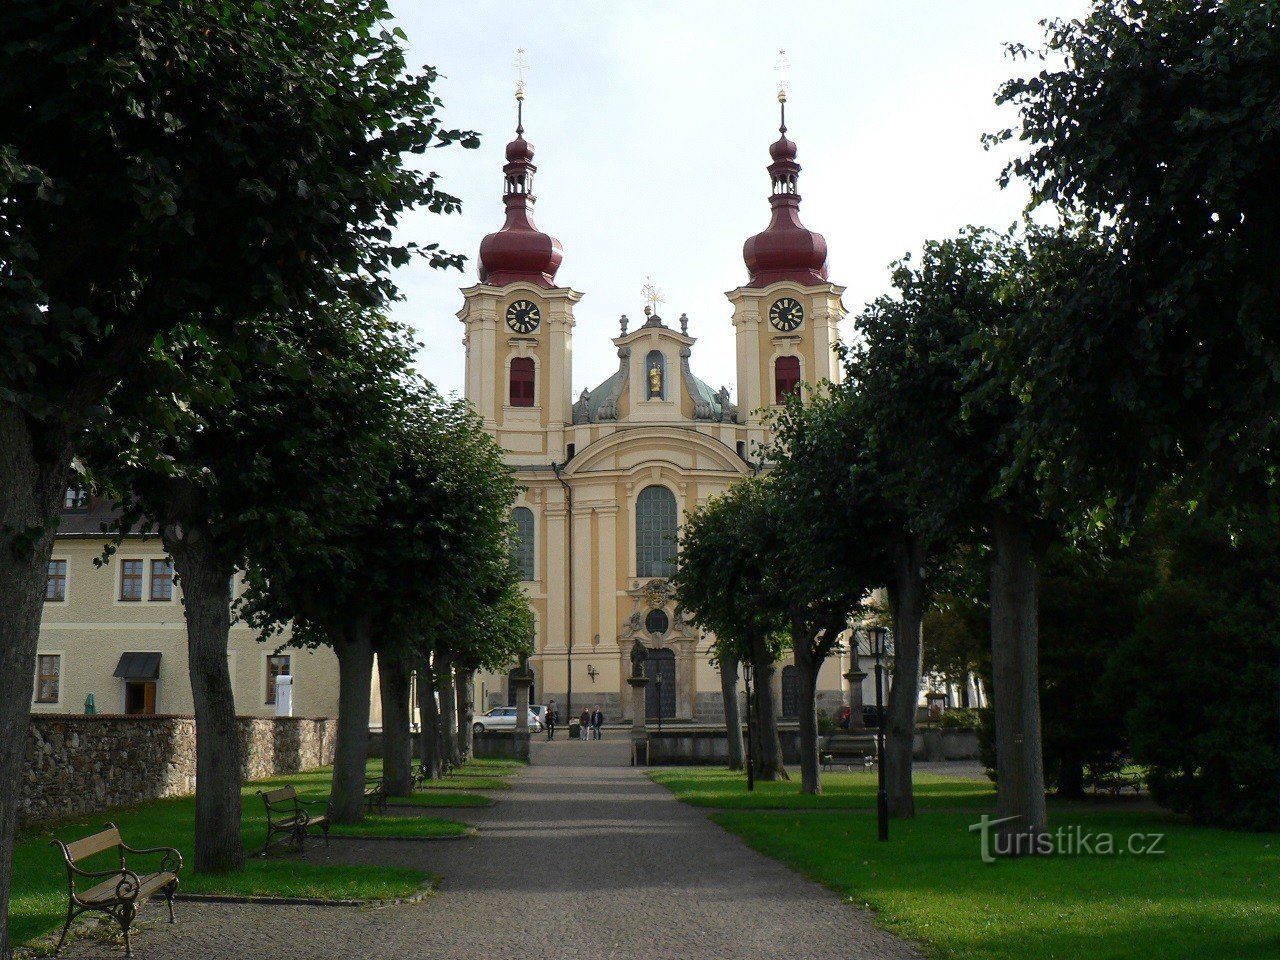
786	316
519	324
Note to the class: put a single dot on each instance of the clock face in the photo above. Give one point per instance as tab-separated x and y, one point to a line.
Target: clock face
786	314
523	316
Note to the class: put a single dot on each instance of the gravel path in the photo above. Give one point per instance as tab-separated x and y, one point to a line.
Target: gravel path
585	859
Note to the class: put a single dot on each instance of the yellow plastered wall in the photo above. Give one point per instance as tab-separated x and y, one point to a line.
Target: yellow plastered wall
92	627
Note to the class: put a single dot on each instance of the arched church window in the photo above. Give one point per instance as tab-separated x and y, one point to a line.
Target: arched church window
522	370
786	377
523	544
655	532
655	375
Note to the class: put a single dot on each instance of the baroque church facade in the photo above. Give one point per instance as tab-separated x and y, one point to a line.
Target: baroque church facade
608	475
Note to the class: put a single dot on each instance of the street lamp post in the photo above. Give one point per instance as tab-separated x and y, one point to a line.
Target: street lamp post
751	756
876	635
658	680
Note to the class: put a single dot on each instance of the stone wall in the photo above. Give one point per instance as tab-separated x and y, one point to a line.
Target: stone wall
77	764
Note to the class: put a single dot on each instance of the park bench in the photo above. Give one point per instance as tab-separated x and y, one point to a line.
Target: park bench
121	890
848	749
285	815
1115	783
375	794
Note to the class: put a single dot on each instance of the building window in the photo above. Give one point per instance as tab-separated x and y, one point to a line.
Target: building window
162	579
655	376
277	666
139	697
48	677
655	532
75	498
522	382
55	586
523	544
786	377
130	579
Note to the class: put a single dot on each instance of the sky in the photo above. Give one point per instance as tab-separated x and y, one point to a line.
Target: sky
652	121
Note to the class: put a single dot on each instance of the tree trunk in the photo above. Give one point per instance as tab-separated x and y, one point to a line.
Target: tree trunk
448	712
30	491
397	741
768	751
1070	777
906	599
354	648
466	712
1015	691
205	579
428	723
807	667
732	718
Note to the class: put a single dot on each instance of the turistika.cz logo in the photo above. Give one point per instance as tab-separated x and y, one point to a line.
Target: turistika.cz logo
1069	840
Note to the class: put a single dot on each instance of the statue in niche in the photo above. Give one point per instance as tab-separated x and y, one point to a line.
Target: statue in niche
655	382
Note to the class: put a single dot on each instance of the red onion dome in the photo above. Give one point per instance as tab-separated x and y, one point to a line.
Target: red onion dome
786	249
519	251
782	149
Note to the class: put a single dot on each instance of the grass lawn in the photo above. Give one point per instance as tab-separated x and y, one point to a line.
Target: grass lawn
375	825
718	787
1212	894
39	898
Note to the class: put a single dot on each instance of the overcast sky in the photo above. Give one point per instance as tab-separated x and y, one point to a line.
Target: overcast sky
652	122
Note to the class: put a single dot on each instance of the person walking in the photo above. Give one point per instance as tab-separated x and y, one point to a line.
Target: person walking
552	717
584	724
597	721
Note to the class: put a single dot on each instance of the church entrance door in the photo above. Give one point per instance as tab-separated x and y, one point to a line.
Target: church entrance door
660	663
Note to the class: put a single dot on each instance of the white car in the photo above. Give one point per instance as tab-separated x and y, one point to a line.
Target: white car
504	718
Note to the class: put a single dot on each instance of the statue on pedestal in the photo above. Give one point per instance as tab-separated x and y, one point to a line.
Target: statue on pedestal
639	654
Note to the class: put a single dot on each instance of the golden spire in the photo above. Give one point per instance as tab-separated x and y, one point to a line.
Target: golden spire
783	69
520	64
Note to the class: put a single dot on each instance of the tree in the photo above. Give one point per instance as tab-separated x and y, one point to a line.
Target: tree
221	472
1157	122
947	423
374	583
828	459
722	567
832	546
166	166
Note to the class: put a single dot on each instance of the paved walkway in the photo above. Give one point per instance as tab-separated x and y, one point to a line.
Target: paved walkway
585	859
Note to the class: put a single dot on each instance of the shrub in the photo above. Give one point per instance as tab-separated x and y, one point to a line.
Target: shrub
960	718
1203	665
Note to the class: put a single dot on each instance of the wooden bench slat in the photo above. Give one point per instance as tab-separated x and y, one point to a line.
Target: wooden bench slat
105	892
88	846
281	794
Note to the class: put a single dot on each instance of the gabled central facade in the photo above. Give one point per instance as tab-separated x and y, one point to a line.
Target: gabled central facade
609	475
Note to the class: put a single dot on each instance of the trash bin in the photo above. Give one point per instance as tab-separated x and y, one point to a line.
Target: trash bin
574	727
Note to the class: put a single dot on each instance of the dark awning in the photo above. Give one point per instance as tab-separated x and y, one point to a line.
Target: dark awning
138	666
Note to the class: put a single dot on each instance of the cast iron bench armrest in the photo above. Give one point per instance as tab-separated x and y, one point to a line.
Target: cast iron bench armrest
171	862
124	873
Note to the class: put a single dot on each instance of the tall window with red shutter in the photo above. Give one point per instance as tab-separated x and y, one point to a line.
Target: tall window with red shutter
786	377
522	382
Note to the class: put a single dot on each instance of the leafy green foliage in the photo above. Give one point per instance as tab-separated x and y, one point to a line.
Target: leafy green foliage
1204	667
1158	123
725	566
187	163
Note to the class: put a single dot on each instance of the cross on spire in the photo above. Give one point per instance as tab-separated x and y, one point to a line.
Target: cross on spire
783	69
520	64
653	295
